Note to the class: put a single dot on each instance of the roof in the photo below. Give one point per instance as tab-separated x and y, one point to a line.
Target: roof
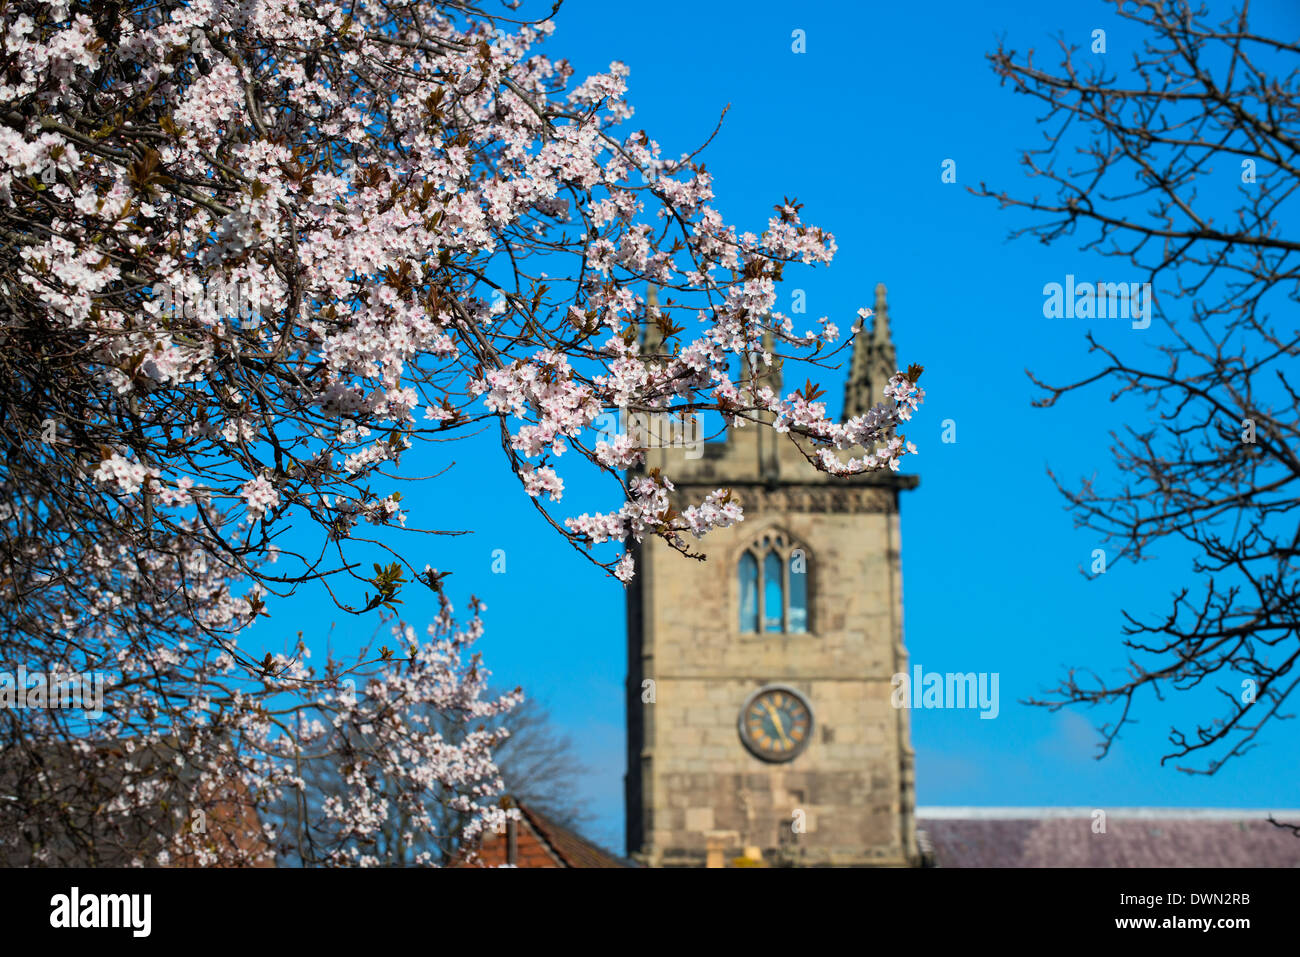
1133	837
572	848
540	842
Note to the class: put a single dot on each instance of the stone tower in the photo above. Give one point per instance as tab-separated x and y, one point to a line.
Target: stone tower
759	681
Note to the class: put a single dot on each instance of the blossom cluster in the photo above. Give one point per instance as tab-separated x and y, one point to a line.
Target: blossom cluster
259	496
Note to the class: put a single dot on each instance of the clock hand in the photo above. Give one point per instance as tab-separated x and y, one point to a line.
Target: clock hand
776	721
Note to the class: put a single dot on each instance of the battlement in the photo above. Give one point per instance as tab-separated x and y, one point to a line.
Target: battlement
754	455
750	454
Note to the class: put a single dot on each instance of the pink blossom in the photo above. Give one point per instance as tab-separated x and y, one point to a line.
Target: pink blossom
259	496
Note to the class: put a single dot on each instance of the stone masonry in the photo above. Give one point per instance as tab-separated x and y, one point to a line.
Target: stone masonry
695	794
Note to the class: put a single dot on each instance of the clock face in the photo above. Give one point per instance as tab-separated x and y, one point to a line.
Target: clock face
776	723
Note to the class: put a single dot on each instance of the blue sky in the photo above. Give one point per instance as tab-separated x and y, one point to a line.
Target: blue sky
857	128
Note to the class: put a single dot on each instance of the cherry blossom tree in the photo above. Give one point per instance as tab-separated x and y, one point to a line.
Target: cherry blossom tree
539	768
252	255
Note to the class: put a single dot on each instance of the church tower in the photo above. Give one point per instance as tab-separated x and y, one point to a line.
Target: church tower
759	719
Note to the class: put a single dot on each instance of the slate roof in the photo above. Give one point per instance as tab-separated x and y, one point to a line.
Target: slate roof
1134	837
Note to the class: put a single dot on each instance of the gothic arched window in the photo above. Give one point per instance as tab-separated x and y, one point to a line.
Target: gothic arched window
773	577
748	592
